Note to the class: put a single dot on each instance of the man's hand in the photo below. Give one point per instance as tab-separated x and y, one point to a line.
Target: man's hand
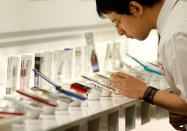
128	85
177	121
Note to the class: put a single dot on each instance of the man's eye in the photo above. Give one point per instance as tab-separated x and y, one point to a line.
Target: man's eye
115	24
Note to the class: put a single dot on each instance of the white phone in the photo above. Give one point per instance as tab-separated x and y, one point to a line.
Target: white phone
105	87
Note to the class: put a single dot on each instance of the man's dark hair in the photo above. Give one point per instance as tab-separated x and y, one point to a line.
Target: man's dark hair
119	6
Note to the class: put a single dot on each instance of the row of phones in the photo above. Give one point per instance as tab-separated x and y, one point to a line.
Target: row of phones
77	86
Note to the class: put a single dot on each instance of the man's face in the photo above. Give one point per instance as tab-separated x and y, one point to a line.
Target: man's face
132	26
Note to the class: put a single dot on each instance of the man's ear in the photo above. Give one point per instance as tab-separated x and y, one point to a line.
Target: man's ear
135	8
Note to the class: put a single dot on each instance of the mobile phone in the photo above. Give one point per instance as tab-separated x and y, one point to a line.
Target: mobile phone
58	88
80	88
99	84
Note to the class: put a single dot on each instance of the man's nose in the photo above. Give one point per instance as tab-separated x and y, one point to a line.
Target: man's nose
121	31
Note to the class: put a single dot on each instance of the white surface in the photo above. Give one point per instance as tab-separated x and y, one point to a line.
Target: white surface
32	125
29	14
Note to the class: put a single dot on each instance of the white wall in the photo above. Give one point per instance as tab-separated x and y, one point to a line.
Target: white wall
19	15
11	15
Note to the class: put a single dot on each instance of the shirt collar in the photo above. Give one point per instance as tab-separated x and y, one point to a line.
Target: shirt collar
164	12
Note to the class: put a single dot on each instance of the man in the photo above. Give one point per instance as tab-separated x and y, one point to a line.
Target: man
135	19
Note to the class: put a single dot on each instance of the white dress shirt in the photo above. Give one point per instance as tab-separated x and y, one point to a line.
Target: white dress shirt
172	27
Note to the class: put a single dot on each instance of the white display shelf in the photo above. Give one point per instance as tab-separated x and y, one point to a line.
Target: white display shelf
96	109
120	113
84	117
